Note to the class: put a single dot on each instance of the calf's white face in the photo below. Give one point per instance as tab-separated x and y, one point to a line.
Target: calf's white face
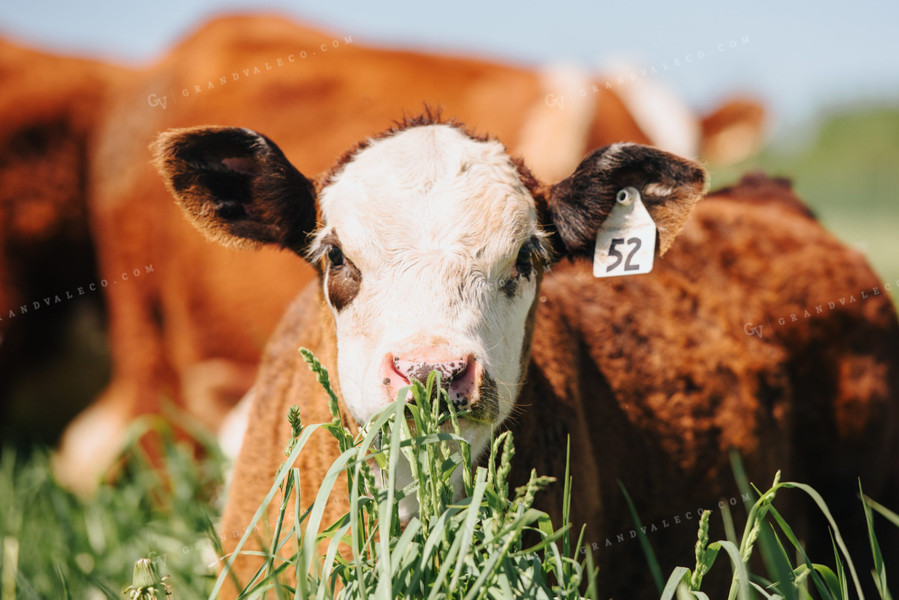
431	250
430	242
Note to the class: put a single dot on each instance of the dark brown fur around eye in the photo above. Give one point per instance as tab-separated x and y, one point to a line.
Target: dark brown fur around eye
343	284
343	278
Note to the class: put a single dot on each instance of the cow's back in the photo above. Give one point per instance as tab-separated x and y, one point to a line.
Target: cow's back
656	377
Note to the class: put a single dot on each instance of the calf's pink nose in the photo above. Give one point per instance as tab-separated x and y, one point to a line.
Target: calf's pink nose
458	373
419	368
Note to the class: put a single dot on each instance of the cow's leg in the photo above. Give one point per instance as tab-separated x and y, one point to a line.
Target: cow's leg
92	441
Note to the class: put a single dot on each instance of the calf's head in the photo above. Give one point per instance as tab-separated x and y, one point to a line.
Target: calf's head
431	244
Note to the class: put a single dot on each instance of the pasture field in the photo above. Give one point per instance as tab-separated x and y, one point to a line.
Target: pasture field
162	520
56	545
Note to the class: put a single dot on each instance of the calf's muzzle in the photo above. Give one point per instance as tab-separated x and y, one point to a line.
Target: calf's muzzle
459	373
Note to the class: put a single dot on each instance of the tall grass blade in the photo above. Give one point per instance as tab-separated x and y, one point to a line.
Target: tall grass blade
740	583
279	479
822	506
654	568
880	574
680	575
883	510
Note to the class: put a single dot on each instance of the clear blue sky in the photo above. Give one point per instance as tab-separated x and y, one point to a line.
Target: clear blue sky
801	56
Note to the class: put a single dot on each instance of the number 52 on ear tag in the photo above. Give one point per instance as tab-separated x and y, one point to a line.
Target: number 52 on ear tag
626	242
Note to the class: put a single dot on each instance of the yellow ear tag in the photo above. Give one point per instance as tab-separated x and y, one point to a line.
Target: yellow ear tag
626	242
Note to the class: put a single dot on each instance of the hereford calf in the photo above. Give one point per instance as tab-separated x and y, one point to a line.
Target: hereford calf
433	246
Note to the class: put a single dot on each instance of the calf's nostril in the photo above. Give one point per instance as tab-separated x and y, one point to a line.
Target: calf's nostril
451	371
400	368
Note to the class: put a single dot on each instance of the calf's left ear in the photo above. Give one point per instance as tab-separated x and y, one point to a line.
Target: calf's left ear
236	186
578	206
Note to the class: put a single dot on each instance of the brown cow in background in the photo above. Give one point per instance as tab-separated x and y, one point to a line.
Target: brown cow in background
182	327
50	109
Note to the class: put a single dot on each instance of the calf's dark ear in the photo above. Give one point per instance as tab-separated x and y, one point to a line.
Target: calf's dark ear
578	206
236	186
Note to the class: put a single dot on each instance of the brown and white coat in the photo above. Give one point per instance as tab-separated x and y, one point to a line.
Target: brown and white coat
432	248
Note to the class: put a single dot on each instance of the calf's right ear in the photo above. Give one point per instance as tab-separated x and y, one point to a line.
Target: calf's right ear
236	186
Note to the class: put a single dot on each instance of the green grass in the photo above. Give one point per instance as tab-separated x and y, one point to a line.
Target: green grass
789	572
467	549
56	545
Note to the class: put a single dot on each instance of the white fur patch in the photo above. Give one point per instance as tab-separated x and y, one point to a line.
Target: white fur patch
232	433
234	427
658	189
91	443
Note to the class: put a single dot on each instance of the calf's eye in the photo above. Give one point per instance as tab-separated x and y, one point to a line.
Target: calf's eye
524	262
335	256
